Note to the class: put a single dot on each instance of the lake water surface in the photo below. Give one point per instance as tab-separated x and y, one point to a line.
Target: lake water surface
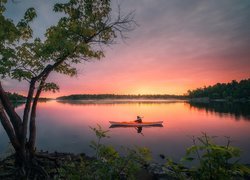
63	126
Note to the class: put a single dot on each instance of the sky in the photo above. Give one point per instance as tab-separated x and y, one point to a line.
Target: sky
178	45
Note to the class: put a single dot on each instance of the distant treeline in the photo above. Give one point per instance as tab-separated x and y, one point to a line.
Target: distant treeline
232	90
16	97
116	96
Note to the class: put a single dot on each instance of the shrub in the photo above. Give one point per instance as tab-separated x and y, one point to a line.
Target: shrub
108	163
210	161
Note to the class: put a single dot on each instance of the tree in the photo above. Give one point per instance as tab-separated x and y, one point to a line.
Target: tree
232	90
86	25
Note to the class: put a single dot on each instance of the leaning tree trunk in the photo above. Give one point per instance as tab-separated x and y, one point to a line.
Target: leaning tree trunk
13	126
17	128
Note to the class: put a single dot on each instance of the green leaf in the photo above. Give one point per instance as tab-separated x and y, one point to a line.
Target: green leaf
30	14
50	87
187	159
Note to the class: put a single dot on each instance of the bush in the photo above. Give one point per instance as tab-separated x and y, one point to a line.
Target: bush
108	163
211	161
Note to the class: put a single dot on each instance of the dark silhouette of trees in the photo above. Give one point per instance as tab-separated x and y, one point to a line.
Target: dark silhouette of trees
117	96
15	97
78	36
232	90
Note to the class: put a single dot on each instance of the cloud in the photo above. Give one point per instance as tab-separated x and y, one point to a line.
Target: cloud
192	42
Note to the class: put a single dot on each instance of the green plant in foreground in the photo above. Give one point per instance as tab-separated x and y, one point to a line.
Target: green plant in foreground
100	134
108	163
211	161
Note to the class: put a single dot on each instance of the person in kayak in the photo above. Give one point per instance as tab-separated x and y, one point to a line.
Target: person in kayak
139	119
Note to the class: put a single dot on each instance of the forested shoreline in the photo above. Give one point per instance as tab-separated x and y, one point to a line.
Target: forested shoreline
228	91
117	96
16	97
239	90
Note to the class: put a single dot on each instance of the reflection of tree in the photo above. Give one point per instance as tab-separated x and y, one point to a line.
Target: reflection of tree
237	110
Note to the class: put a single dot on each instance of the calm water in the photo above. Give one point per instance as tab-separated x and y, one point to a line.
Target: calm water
64	126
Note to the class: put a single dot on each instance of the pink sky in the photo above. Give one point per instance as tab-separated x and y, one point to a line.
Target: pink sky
177	46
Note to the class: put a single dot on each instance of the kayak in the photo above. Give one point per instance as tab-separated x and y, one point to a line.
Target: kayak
136	126
132	123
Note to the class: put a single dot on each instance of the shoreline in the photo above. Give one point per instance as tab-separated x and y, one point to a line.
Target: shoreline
103	100
208	100
54	163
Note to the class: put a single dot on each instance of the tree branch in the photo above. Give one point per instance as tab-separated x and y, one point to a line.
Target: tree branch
50	67
43	76
32	137
27	111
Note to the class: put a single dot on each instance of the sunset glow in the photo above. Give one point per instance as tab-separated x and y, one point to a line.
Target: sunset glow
181	46
124	89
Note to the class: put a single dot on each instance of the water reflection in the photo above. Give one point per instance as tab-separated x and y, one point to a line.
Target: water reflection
64	126
137	128
236	110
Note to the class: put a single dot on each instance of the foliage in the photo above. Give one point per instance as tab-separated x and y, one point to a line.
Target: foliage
84	27
97	146
233	90
75	38
210	161
108	164
178	171
17	99
11	36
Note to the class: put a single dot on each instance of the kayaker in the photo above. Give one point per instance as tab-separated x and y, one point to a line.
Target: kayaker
139	119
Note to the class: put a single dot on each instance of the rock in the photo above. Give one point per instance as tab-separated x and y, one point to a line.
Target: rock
161	172
145	175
